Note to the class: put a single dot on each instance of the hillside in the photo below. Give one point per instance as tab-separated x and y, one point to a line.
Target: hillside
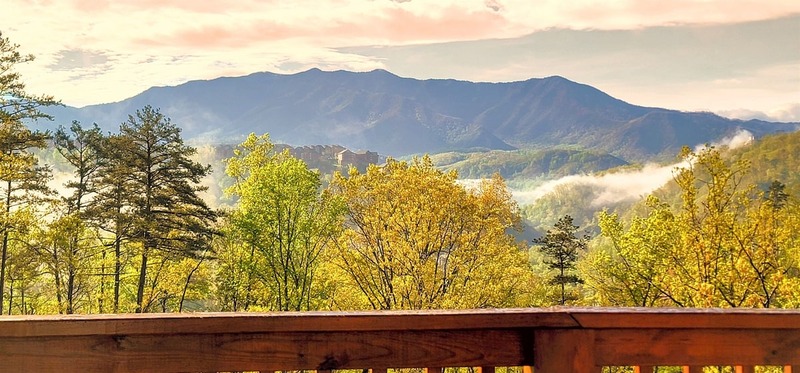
398	116
772	158
526	164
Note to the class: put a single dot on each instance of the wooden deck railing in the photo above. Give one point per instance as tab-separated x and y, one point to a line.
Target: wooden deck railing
551	340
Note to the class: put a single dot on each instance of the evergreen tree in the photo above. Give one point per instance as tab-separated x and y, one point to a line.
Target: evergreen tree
168	214
561	247
21	178
79	147
110	209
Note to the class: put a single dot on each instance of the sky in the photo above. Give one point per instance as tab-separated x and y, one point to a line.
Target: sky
737	58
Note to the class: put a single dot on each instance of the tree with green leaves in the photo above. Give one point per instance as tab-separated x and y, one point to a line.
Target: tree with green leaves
725	245
415	238
80	148
167	213
282	214
22	179
561	248
111	210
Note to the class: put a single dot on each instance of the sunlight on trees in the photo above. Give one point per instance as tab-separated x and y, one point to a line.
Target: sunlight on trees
22	179
415	239
729	245
561	248
284	221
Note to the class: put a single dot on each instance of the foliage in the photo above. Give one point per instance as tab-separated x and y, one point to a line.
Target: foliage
526	164
561	248
16	104
22	179
168	215
281	215
416	239
729	245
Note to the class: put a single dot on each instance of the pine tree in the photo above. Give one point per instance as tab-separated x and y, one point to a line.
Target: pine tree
80	148
561	247
169	215
21	178
110	209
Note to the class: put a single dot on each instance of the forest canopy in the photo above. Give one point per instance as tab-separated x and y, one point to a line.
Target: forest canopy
131	232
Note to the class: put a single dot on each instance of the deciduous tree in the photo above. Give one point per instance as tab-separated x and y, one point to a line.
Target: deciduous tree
417	239
284	217
726	245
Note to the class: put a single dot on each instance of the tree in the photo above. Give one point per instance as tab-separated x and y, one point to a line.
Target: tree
168	215
111	208
632	266
561	248
282	215
414	238
16	104
726	245
80	147
20	175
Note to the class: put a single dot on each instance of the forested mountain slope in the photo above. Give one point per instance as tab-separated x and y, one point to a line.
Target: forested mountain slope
398	116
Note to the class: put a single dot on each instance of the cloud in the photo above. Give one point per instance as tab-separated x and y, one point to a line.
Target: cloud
258	35
628	185
74	59
738	140
784	113
609	188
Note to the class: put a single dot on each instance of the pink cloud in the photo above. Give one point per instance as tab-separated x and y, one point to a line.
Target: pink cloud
213	36
395	25
400	25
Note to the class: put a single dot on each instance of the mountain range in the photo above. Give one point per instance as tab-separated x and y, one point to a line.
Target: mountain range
398	116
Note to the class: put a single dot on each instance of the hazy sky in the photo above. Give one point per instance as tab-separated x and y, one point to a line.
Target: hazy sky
734	57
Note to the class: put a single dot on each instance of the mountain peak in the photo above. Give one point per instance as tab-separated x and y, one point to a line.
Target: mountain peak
381	111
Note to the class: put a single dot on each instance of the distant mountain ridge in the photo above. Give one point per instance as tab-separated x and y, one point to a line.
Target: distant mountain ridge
398	116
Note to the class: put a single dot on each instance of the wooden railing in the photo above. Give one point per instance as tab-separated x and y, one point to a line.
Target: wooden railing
560	340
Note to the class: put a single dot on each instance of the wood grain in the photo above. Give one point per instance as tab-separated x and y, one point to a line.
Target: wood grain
219	322
568	340
697	346
260	351
565	351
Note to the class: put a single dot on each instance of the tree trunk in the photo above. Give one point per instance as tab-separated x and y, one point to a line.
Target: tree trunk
142	277
117	270
100	307
10	295
57	279
186	285
5	247
3	268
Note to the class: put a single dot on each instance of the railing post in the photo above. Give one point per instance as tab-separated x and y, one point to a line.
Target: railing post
643	369
791	369
744	369
484	370
433	370
564	351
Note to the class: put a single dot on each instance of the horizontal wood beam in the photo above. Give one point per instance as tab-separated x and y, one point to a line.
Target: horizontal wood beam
697	347
264	351
233	322
324	341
